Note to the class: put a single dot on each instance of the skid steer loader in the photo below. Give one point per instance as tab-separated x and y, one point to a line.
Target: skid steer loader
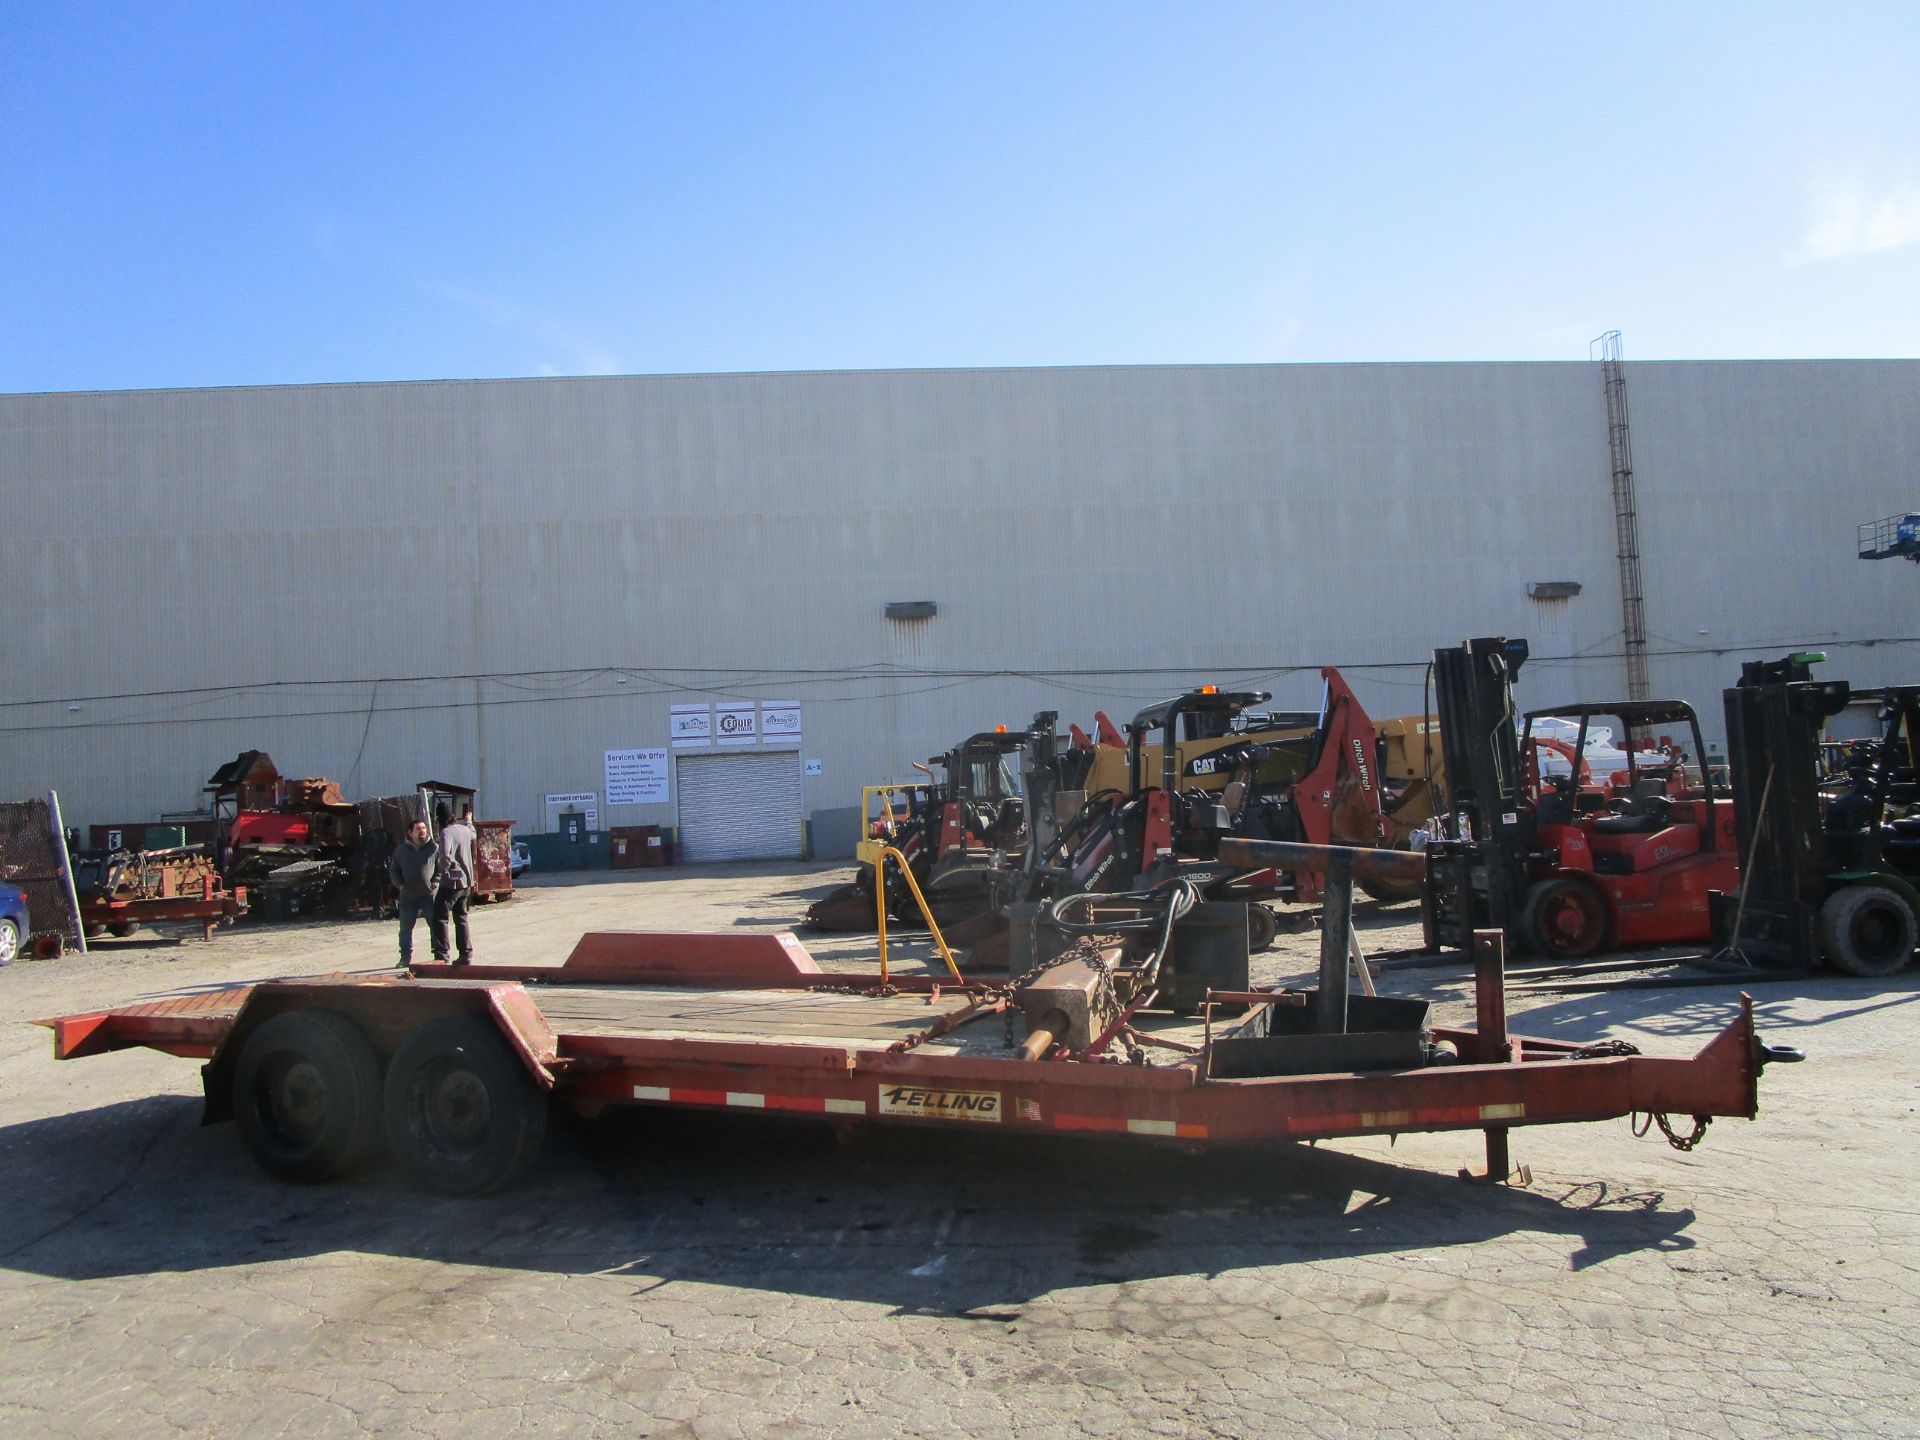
952	828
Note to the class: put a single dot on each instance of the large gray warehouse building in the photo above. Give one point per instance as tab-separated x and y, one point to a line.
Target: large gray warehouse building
502	581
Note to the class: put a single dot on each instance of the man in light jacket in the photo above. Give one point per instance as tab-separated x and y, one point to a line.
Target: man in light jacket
456	887
414	870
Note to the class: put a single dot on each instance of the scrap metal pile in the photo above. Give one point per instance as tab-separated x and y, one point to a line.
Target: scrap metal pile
282	847
297	845
122	889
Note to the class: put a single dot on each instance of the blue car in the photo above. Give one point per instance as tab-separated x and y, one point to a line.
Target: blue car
13	921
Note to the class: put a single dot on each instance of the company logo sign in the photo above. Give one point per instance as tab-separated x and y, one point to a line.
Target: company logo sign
914	1103
689	726
779	721
735	725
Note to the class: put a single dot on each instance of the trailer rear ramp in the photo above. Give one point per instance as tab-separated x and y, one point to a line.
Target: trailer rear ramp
452	1070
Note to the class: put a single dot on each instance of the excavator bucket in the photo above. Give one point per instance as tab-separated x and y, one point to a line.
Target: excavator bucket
987	938
847	907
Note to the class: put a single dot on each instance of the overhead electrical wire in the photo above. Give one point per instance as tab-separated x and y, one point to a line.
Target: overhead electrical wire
730	682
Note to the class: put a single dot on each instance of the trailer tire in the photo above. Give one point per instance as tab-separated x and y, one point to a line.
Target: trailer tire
1868	930
1565	920
1391	892
463	1117
306	1096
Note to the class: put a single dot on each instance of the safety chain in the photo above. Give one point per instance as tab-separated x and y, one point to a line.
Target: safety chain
1604	1050
1700	1124
1086	949
1655	1117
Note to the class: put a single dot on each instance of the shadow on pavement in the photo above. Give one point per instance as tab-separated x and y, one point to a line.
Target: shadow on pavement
1699	1014
922	1222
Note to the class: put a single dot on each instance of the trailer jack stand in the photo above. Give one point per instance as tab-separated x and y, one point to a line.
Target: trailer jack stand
1500	1167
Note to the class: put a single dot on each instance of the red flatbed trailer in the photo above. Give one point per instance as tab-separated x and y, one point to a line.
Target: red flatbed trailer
119	916
453	1067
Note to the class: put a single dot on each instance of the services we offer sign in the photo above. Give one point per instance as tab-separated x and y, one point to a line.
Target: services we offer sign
636	777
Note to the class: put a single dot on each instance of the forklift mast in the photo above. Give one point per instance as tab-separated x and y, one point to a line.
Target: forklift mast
1049	769
1477	866
1776	716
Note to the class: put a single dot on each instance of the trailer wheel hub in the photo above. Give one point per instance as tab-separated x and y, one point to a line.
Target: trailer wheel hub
297	1102
457	1109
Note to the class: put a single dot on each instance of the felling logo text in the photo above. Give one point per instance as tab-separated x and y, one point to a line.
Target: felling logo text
941	1104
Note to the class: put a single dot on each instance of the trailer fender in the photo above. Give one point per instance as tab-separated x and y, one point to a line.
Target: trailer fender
386	1013
1897	883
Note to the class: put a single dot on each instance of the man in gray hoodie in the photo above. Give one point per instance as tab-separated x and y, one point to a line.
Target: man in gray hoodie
456	887
415	873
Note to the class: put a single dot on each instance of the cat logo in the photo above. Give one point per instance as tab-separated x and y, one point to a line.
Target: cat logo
918	1104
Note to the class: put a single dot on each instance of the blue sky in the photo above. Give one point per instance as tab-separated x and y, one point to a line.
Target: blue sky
230	194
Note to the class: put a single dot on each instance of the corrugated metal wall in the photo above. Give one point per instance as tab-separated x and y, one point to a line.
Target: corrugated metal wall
728	536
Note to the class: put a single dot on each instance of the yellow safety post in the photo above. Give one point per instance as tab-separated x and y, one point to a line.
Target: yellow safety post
880	910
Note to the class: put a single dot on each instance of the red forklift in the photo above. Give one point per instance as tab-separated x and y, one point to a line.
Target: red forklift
1568	867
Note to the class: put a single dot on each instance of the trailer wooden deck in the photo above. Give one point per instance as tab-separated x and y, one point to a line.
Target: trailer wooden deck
783	1017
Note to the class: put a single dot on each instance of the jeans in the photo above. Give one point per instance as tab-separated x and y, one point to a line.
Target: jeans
412	907
451	902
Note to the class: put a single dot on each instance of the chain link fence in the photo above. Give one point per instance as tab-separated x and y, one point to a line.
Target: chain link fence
30	857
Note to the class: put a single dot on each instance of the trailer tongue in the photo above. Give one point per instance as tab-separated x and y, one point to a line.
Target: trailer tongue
452	1071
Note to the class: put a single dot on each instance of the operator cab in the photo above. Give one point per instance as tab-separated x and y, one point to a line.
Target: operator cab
1208	713
982	781
1622	794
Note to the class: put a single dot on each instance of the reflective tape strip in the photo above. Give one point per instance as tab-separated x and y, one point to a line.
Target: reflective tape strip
1120	1125
1385	1119
1421	1118
1108	1123
749	1100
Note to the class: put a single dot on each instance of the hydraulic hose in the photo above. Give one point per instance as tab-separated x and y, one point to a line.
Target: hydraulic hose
1178	898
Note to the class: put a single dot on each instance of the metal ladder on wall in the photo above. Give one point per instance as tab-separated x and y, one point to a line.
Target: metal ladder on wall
1626	521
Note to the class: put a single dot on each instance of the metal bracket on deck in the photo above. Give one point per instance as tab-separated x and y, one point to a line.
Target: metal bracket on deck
1490	1023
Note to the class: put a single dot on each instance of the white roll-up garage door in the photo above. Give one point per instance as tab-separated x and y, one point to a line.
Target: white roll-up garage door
740	806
